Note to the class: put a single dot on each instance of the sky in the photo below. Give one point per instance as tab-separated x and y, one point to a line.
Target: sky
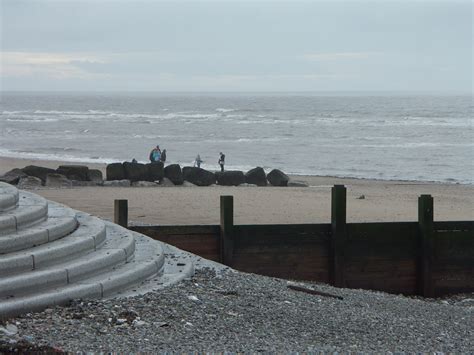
211	46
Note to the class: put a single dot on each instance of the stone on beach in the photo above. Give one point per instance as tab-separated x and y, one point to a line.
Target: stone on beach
38	171
74	172
144	184
230	178
174	173
297	183
135	171
278	178
117	183
256	176
115	171
29	182
57	180
13	176
198	176
155	171
95	175
165	182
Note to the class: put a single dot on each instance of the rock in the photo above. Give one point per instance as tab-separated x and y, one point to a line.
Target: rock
155	171
87	183
29	182
135	171
198	176
297	183
94	175
165	182
230	178
361	197
9	329
256	176
117	183
115	171
38	171
278	178
74	172
13	176
188	184
144	184
174	173
247	185
57	180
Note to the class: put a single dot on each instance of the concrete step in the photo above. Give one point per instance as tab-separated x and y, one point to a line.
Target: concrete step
117	249
149	262
8	197
89	236
47	231
31	209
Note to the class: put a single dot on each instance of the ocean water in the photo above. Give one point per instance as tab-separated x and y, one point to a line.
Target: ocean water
423	138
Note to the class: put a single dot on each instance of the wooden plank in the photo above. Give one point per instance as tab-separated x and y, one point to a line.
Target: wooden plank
426	254
338	237
185	229
285	228
227	229
121	212
454	225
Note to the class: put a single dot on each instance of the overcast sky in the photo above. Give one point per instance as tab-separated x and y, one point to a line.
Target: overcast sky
141	45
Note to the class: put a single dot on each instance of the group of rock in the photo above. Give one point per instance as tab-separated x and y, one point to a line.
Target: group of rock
137	174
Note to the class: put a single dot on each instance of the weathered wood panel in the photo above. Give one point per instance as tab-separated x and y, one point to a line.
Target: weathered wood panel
382	256
299	252
199	240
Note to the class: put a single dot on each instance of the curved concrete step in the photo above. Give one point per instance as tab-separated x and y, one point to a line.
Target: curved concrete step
8	197
47	231
89	236
117	249
31	209
150	262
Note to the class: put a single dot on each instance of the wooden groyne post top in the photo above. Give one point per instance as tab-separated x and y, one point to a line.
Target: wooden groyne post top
121	212
227	226
338	235
426	246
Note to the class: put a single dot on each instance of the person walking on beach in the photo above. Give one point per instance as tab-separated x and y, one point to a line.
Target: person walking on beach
163	156
221	160
198	161
155	154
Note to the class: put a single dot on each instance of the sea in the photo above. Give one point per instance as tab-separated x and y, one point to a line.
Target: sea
374	136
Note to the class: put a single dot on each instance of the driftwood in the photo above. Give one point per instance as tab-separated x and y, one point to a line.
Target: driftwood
313	292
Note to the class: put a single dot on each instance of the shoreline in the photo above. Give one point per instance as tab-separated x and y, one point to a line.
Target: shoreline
9	163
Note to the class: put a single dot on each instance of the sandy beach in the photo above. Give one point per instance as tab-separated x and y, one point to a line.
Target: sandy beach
384	200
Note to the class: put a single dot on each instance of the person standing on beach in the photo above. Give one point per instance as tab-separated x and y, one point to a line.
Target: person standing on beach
155	154
198	161
221	160
163	156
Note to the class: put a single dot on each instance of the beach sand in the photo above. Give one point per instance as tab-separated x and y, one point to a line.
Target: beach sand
384	200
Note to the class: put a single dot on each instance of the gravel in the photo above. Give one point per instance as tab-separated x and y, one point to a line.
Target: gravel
239	312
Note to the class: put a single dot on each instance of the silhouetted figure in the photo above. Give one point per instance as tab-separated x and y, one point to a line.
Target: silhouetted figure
163	155
198	161
221	160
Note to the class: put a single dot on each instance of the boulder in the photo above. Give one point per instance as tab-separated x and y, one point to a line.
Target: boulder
95	175
117	183
165	182
278	178
256	176
135	171
115	171
174	173
297	183
155	171
38	171
198	176
144	184
74	172
188	184
13	176
230	178
248	185
30	182
57	180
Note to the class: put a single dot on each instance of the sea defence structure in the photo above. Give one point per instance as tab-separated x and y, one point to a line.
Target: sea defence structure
50	254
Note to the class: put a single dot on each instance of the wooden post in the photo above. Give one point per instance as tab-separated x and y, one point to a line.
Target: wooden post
426	246
121	212
227	226
338	235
